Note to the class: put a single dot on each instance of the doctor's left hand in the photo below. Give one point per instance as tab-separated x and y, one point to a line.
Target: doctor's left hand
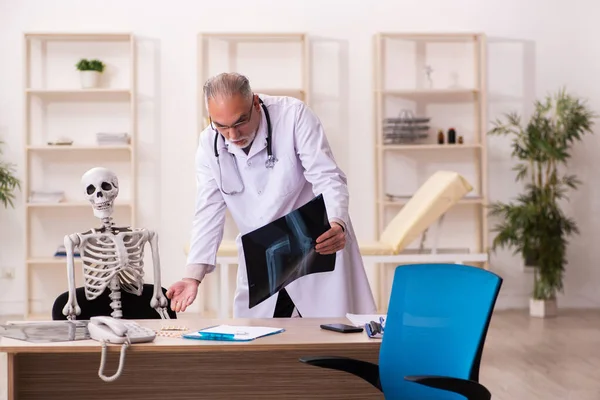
331	241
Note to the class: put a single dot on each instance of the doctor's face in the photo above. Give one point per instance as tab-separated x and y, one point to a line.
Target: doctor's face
235	118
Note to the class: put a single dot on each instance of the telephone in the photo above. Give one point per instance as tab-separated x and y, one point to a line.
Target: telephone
117	331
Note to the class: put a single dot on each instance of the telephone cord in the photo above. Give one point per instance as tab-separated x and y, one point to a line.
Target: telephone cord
124	347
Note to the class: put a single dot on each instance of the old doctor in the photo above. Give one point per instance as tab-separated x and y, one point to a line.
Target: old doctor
262	157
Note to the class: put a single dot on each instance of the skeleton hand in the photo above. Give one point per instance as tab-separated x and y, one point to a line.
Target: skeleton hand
71	309
159	302
182	294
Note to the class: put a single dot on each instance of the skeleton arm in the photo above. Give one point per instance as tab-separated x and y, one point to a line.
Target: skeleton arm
71	309
159	301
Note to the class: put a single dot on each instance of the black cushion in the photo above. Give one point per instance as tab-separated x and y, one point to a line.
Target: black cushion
132	306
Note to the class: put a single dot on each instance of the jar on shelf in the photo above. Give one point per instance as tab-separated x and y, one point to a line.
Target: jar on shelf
451	135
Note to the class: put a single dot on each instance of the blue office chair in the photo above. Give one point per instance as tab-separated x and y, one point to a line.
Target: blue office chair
433	337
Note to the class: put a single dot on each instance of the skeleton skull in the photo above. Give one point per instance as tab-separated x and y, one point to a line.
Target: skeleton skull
101	188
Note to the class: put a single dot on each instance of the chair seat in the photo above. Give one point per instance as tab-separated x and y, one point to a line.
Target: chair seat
375	249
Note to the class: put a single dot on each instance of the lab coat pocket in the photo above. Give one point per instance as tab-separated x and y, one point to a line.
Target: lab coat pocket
285	178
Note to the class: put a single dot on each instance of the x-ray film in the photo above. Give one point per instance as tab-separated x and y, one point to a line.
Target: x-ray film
284	250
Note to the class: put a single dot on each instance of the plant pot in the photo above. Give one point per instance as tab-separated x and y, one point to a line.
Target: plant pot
90	79
543	308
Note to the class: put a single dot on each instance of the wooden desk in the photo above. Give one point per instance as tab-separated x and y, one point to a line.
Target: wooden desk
175	368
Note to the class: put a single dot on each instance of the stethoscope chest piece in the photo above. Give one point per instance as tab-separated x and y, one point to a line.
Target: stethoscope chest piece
270	162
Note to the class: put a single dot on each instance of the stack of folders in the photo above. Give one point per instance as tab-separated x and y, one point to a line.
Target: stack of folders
232	333
112	139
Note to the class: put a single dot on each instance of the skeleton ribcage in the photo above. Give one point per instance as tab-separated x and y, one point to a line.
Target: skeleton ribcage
106	256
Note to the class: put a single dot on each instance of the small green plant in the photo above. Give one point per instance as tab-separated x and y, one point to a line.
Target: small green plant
90	65
534	224
8	183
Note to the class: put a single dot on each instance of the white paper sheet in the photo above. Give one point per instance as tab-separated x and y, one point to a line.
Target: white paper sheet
362	319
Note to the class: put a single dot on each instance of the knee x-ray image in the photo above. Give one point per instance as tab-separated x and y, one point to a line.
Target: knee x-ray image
284	250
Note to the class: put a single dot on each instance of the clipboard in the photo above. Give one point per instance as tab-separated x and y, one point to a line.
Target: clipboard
233	333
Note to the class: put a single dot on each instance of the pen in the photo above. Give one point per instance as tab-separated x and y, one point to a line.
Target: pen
216	336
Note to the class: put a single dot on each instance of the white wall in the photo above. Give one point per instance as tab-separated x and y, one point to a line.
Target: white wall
534	47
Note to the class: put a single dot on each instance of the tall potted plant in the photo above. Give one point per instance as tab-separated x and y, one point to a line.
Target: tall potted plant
8	182
534	224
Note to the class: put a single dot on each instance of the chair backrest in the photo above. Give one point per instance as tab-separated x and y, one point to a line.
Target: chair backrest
440	192
437	322
132	306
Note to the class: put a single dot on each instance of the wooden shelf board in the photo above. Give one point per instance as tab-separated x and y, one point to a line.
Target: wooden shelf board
50	260
432	94
428	37
65	204
255	36
76	91
79	36
440	147
279	91
404	200
77	148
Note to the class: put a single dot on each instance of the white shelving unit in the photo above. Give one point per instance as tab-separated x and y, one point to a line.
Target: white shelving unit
265	58
56	107
454	97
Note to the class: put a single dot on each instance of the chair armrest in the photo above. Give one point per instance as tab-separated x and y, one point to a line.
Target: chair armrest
470	389
363	369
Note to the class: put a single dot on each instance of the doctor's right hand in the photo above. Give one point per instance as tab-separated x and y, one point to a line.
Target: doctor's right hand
183	293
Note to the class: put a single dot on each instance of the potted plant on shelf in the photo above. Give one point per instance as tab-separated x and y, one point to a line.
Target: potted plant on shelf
90	72
534	224
8	183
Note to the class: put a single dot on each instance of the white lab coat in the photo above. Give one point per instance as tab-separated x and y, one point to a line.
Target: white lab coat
305	168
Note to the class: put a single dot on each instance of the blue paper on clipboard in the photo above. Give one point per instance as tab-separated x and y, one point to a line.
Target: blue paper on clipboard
233	333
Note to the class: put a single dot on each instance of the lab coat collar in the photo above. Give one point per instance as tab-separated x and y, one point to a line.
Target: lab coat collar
259	143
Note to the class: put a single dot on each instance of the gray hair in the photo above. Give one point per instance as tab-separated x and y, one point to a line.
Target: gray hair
227	84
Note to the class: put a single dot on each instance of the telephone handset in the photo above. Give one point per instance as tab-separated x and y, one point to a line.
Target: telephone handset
117	331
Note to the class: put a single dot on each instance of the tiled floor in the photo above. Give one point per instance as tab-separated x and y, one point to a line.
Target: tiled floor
527	358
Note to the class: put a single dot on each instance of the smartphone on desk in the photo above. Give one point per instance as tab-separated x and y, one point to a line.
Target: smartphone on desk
342	328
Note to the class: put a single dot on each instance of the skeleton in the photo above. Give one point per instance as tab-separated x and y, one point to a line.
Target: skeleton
113	257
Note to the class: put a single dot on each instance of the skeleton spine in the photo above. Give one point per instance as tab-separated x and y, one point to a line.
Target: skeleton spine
115	296
108	223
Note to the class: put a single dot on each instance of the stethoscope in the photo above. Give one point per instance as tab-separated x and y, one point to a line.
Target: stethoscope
269	163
